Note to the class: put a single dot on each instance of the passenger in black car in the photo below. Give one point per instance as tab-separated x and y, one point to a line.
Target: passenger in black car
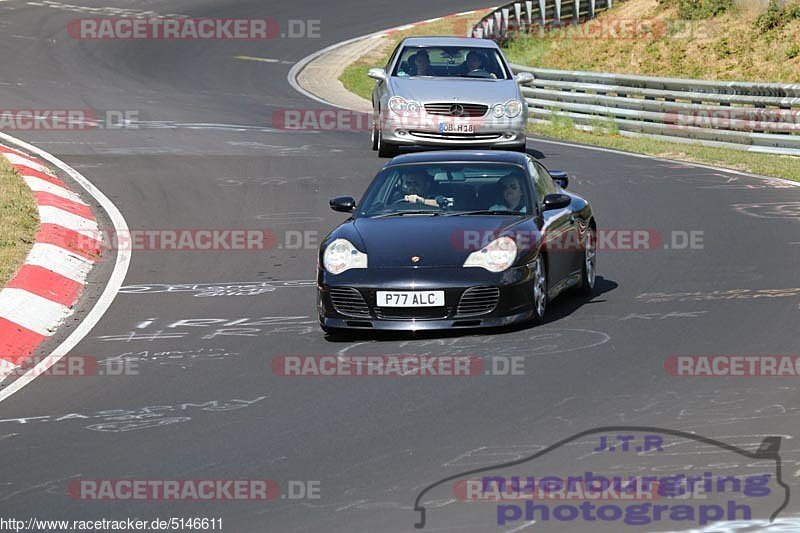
513	196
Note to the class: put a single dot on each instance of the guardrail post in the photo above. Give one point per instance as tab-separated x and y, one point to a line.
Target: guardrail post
558	10
518	15
489	28
543	12
528	9
498	23
591	8
577	12
506	22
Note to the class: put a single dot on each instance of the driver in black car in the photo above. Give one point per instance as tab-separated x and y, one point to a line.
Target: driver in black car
417	186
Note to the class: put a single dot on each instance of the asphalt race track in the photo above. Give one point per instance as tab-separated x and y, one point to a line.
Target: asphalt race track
206	156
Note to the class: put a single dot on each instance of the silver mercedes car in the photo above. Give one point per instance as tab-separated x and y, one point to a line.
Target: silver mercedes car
448	92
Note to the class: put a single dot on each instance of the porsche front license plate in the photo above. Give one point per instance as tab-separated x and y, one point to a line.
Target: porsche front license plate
411	299
450	127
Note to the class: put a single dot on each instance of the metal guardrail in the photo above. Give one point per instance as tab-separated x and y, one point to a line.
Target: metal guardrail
758	117
516	17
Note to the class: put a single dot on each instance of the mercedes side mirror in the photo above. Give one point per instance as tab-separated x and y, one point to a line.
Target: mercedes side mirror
344	204
377	74
524	78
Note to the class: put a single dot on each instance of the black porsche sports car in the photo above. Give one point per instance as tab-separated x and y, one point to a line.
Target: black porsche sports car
455	239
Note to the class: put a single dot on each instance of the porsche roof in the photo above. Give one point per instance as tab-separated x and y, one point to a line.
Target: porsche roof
460	156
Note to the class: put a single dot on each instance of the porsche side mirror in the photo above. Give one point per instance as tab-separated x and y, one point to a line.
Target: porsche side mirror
524	78
345	204
556	201
377	74
560	177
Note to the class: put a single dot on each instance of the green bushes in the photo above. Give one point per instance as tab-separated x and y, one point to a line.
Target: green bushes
699	9
702	9
777	15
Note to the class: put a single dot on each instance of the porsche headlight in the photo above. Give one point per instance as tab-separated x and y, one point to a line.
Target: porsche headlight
513	108
341	255
496	256
498	111
400	106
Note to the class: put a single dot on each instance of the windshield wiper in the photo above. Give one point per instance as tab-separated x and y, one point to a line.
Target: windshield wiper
486	212
401	213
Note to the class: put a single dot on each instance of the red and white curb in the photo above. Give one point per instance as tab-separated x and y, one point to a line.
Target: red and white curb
42	293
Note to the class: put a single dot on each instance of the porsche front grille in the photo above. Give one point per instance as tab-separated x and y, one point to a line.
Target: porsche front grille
478	301
349	302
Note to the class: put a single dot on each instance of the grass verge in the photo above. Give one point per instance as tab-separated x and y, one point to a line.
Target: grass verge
563	129
19	220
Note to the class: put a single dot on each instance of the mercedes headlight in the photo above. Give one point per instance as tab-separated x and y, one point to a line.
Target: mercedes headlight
341	255
513	108
498	111
496	256
400	106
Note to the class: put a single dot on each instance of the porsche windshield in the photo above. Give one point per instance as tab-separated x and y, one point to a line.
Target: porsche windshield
448	189
451	62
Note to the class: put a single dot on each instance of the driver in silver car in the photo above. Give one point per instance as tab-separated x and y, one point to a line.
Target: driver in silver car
474	62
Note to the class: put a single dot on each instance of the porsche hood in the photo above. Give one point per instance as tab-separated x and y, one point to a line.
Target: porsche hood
438	241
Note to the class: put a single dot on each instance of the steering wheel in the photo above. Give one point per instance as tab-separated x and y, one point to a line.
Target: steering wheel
402	200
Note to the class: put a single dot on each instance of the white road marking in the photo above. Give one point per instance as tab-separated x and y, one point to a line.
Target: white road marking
105	300
526	525
263	60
